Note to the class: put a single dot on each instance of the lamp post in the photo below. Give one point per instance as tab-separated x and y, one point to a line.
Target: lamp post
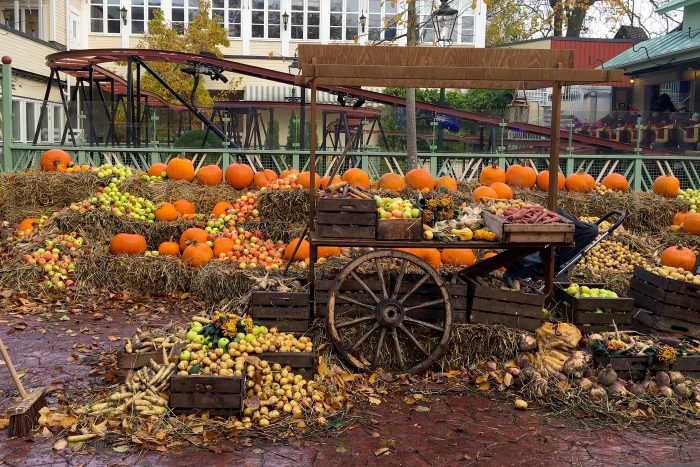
444	20
293	70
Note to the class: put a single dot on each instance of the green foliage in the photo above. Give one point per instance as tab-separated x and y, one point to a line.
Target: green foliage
274	135
294	133
193	139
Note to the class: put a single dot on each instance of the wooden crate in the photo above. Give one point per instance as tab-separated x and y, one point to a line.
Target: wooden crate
581	311
303	363
219	395
689	365
628	367
561	232
665	297
346	218
287	311
645	320
519	310
458	294
400	229
133	361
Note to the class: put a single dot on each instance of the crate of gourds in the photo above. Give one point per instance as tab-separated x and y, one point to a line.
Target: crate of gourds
146	346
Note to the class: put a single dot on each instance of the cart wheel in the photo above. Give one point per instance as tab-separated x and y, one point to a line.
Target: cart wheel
383	322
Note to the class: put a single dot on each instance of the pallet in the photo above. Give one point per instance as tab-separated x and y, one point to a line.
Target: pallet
400	229
218	395
689	365
346	218
667	325
628	367
581	311
127	362
665	297
303	363
561	232
287	311
519	310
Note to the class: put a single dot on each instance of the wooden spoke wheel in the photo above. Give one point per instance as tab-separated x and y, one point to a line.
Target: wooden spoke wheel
397	317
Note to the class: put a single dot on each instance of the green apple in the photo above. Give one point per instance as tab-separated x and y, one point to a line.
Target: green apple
240	336
256	331
249	338
198	339
383	214
572	289
263	330
415	213
192	336
223	342
584	289
185	355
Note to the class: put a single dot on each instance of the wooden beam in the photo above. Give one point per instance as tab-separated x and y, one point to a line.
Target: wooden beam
553	188
433	83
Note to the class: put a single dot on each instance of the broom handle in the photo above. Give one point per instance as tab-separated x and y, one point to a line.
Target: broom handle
11	368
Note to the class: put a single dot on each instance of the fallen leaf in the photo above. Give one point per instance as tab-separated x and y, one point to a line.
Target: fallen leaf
64	318
484	386
114	338
374	400
381	451
372	378
422	408
60	444
410	400
197	429
121	448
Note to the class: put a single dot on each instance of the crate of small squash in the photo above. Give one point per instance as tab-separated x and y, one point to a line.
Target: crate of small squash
593	308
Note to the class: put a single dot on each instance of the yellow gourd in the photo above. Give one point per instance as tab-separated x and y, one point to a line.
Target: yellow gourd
486	235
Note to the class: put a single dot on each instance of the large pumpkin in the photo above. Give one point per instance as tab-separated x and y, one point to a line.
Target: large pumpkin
169	249
502	190
302	252
325	181
578	182
223	245
210	175
420	179
27	224
239	176
392	182
260	180
197	254
51	159
492	174
193	235
543	180
482	192
304	179
678	257
127	244
326	251
166	212
357	177
691	223
666	185
521	175
615	182
157	169
429	255
270	174
185	207
180	169
221	208
457	257
448	183
678	218
287	172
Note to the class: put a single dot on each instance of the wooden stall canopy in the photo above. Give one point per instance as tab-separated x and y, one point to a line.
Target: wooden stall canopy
433	67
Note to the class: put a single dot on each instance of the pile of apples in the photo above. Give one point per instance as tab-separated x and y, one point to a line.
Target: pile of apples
153	178
121	204
287	183
250	251
57	266
396	208
692	196
78	168
119	172
38	224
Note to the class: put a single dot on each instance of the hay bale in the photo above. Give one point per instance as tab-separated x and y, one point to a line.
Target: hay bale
284	206
618	282
471	344
15	274
204	197
671	238
34	193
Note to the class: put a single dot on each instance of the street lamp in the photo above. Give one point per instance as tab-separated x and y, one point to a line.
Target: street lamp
363	21
122	13
444	22
294	65
285	20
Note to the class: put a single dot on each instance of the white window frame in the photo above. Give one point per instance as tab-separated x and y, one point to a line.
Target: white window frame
345	23
226	19
267	13
148	7
106	4
386	12
467	13
54	113
306	12
189	9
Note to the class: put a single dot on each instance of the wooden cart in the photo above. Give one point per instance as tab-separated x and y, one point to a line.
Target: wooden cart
385	327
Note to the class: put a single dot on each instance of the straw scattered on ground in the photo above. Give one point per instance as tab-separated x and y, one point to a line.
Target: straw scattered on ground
471	344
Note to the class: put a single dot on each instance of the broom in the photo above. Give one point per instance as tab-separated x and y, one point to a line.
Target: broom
25	414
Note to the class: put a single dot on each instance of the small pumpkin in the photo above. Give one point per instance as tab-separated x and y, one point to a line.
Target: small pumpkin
457	257
166	212
491	254
180	169
157	169
197	254
51	159
304	179
448	183
615	182
271	175
492	174
542	180
287	172
482	192
357	177
326	251
666	185
420	179
27	224
185	207
678	218
193	235
260	180
691	223
678	257
302	252
578	182
502	190
521	176
392	182
325	181
223	245
127	244
239	176
221	208
169	249
210	175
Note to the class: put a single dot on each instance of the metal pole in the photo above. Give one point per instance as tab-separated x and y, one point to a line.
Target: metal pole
302	117
42	113
137	126
553	184
7	113
89	107
312	194
441	131
129	99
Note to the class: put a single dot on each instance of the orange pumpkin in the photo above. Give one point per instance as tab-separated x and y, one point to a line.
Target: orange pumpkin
287	172
357	177
193	235
260	180
127	244
157	169
420	179
615	182
221	208
448	183
185	207
27	224
484	192
457	257
678	257
431	256
51	159
325	181
590	181
502	190
577	182
678	218
691	223
223	245
542	180
270	174
666	185
304	179
180	169
326	251
491	254
521	175
302	252
492	174
392	182
197	254
166	212
239	176
169	249
210	175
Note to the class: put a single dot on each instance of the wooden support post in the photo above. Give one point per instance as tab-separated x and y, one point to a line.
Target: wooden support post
553	185
312	191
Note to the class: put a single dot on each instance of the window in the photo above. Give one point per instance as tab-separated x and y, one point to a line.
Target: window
466	35
230	18
265	19
306	19
104	16
381	20
182	13
345	16
25	117
139	20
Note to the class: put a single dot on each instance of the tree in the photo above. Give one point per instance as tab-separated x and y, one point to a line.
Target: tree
411	130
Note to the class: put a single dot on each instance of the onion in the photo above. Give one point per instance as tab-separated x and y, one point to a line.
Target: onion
676	377
683	391
513	371
491	366
617	389
637	389
585	384
597	394
527	343
607	376
662	379
665	391
523	361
